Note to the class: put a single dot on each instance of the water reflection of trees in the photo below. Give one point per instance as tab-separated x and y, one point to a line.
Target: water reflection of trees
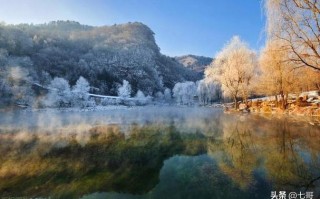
284	151
237	153
249	152
60	165
292	158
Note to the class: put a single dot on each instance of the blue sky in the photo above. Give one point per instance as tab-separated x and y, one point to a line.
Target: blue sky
200	27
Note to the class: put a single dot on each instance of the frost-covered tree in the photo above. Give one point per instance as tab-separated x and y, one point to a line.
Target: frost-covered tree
110	101
59	94
15	80
80	93
5	93
233	68
125	89
184	92
141	98
214	91
159	96
5	89
140	95
44	78
19	80
167	94
207	92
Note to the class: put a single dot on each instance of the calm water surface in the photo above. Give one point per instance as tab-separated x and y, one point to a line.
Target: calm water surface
156	152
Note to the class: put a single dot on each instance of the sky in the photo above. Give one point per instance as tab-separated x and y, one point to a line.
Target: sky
200	27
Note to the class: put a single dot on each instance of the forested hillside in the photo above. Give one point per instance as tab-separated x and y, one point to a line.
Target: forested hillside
105	56
194	62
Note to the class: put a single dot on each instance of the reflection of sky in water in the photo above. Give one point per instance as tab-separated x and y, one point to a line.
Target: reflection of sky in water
193	177
192	153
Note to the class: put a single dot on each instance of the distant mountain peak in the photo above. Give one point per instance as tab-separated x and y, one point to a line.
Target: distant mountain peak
194	62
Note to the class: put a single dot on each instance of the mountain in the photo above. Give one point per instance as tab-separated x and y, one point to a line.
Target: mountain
104	55
194	62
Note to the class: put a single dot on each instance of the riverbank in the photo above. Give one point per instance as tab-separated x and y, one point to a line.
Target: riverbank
87	109
304	104
304	115
295	110
310	111
301	106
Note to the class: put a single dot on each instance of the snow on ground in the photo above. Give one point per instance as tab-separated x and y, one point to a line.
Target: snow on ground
74	109
98	108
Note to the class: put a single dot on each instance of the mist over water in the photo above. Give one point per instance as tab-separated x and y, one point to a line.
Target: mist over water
156	152
52	120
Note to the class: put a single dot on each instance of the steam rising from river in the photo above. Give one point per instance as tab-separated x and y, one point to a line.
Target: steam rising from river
58	125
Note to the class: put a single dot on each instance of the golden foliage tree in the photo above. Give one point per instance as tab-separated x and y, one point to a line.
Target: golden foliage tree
278	77
297	23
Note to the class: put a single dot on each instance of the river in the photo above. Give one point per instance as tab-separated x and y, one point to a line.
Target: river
156	152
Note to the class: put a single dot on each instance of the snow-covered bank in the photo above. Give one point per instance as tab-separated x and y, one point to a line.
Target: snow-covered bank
87	109
106	108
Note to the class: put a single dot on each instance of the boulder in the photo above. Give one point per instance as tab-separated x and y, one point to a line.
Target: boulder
306	95
310	99
243	106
